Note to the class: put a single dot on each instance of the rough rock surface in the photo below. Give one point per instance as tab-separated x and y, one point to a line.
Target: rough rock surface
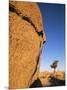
26	38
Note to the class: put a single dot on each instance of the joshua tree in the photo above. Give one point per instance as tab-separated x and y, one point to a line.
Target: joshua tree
54	65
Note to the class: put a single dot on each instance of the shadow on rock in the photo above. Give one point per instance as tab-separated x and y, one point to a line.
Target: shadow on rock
36	83
56	82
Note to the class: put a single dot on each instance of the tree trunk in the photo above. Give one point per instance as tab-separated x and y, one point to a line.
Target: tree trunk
54	70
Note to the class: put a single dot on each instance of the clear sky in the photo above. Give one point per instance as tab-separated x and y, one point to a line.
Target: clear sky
54	26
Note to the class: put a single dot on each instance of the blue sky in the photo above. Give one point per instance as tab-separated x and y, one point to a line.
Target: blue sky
53	16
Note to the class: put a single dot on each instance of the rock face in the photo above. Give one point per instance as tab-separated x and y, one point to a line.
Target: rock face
26	38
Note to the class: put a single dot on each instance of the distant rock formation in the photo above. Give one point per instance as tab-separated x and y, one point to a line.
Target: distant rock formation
50	79
26	38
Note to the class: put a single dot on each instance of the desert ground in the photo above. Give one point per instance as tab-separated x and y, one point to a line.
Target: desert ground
52	79
48	79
